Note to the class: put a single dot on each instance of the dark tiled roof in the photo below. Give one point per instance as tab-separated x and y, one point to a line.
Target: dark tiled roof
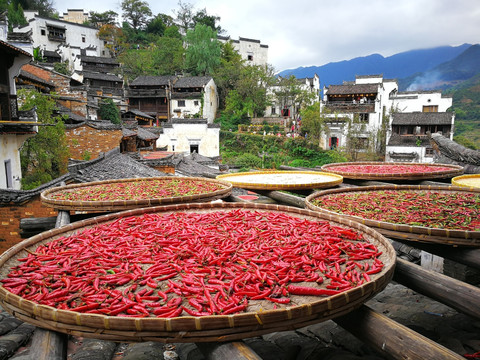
115	166
352	89
187	95
422	118
188	121
138	113
408	140
32	77
48	53
144	134
192	82
153	80
71	115
103	125
13	49
99	60
128	133
100	76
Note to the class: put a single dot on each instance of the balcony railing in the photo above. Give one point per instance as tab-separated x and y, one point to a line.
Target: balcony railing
348	106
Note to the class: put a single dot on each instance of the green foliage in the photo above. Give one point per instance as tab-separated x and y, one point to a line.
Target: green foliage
248	161
45	156
136	13
87	155
98	19
62	68
37	55
464	141
109	111
203	51
273	151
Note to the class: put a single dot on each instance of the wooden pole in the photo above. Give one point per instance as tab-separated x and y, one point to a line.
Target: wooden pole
461	296
390	338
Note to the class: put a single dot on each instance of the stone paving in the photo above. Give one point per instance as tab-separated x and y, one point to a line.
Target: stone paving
324	341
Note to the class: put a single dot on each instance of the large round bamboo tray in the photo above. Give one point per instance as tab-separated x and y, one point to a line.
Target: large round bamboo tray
451	171
471	181
282	180
118	205
403	231
302	311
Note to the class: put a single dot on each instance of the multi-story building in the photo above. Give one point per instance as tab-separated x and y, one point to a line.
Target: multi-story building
372	102
65	38
252	51
78	16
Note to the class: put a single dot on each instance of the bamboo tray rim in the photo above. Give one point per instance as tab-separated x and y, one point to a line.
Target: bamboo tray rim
456	237
183	328
453	171
457	180
129	204
336	180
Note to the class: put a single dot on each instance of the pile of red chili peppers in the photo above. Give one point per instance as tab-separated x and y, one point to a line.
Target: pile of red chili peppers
387	169
185	263
435	209
138	190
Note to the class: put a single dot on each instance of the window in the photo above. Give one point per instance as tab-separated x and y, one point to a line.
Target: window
194	148
43	32
274	110
363	117
181	103
195	102
83	39
430	108
428	152
250	57
8	173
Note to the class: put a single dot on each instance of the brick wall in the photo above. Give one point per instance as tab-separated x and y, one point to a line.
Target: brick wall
10	216
95	141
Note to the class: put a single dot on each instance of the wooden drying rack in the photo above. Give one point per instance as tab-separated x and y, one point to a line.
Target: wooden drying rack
387	336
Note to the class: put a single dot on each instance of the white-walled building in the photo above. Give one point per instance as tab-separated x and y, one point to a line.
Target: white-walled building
252	51
286	107
191	135
410	116
78	16
65	38
15	126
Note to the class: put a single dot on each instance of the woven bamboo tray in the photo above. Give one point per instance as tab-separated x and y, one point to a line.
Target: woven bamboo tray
302	311
282	180
453	170
403	231
471	181
118	205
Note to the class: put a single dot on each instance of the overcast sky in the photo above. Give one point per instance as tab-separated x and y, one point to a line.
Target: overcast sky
316	32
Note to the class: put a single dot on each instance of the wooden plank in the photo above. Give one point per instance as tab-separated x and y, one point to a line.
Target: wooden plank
463	255
236	350
390	338
461	296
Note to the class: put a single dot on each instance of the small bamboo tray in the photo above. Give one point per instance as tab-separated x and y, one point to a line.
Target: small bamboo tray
119	205
471	181
403	231
282	180
453	170
303	311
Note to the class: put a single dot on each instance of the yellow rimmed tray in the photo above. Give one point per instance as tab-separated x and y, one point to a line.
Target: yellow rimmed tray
472	181
303	310
222	190
411	172
282	180
433	235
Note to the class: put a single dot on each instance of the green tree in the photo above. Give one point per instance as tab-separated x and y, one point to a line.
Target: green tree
168	56
43	157
201	17
203	50
62	68
108	111
313	123
356	141
115	38
136	13
44	7
157	24
98	19
184	17
228	72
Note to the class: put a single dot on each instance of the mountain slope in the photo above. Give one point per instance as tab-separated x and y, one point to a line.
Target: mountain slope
396	66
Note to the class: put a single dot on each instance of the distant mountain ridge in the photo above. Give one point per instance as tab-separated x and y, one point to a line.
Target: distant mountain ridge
409	64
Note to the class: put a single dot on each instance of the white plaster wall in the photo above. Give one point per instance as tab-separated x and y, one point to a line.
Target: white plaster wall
179	138
414	101
9	150
420	150
210	104
73	36
246	47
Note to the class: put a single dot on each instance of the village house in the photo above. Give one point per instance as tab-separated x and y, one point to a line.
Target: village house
78	16
66	39
285	105
15	126
252	51
371	100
